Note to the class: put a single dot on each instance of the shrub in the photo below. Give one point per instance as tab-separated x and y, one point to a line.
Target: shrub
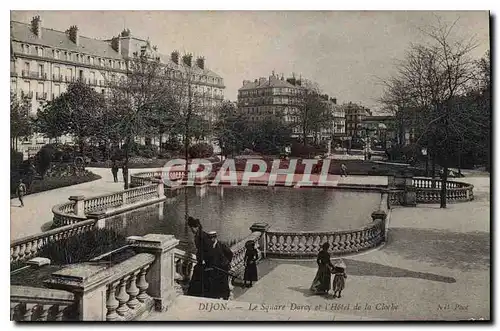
201	150
147	151
83	246
43	159
299	150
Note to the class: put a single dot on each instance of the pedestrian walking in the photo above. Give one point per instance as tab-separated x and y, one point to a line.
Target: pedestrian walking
199	282
125	175
321	282
251	257
218	266
339	278
114	170
20	192
343	170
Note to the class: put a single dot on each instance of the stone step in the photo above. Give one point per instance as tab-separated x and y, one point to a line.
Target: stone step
188	308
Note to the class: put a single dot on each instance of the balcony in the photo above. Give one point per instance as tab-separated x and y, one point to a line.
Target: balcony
57	78
34	74
70	79
41	95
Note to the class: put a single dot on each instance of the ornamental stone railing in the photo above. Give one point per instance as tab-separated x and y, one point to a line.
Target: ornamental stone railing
79	208
41	304
308	244
145	178
125	291
429	190
28	247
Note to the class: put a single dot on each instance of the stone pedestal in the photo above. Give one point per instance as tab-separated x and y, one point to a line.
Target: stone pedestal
79	208
86	282
99	216
162	272
161	188
410	198
262	228
379	215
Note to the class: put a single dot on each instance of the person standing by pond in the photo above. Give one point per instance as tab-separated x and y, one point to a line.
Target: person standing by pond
251	257
339	278
322	280
20	192
199	283
114	171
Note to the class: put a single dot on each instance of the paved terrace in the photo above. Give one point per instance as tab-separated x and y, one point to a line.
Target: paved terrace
36	215
436	265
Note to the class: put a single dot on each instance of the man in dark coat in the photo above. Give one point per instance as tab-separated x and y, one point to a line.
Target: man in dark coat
219	264
199	283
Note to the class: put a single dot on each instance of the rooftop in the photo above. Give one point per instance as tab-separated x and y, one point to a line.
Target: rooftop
272	81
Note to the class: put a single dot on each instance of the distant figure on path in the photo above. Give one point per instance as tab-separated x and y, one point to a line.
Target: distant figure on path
114	170
20	192
321	282
343	170
199	284
125	175
339	278
218	266
251	257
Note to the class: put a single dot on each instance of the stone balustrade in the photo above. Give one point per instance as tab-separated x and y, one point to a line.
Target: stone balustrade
41	304
308	244
429	191
145	178
396	197
79	208
26	248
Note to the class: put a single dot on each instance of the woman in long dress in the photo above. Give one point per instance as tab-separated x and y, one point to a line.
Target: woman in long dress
321	283
251	257
339	278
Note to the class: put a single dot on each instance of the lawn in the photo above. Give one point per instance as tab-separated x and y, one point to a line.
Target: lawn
50	183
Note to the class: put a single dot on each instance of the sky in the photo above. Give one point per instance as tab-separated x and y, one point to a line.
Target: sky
345	52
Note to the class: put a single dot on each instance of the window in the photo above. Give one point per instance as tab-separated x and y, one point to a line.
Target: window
91	60
102	91
69	75
27	86
39	51
40	88
26	67
26	49
110	64
57	90
66	55
77	57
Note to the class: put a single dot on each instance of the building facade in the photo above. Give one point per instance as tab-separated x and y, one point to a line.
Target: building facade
44	61
274	95
354	116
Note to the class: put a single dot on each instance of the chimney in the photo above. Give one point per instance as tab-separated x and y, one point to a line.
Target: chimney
200	62
116	44
73	34
186	59
246	82
334	100
36	26
175	57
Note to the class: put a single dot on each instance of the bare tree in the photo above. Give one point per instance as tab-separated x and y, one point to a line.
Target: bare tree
426	91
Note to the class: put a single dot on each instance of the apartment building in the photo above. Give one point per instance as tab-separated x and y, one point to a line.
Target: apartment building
44	61
277	95
354	116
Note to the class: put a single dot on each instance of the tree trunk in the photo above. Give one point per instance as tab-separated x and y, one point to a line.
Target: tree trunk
433	170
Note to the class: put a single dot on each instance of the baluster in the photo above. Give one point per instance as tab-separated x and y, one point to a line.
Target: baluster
302	243
60	312
22	250
34	247
133	290
28	312
142	284
44	312
112	303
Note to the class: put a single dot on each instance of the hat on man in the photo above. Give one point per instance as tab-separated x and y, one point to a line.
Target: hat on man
212	234
193	222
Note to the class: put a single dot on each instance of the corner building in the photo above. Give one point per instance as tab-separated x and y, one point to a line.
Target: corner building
44	61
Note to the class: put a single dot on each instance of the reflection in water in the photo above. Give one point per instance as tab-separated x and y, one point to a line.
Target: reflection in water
232	210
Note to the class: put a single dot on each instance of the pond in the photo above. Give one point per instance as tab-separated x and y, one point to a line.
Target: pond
232	210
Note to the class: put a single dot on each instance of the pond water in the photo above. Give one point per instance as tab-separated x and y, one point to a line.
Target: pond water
232	210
